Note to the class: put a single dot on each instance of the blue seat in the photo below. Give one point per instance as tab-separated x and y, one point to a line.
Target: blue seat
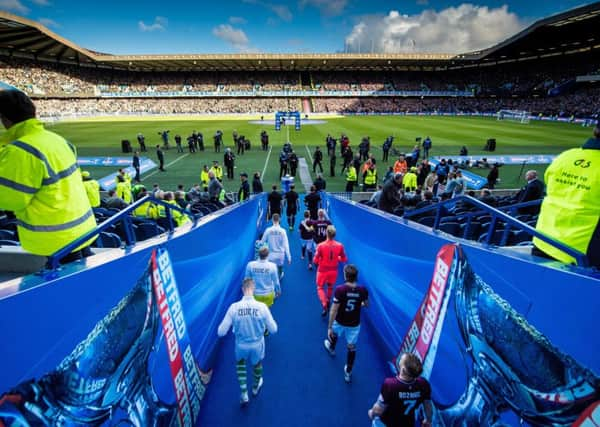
450	218
451	228
473	232
108	240
8	235
427	220
7	242
495	239
517	237
146	230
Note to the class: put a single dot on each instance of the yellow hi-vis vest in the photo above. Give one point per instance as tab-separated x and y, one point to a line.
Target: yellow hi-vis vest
370	177
143	210
41	183
351	174
218	171
409	182
92	189
570	211
204	178
123	191
177	216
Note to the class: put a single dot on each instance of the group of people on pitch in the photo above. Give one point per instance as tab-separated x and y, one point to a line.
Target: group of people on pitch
400	397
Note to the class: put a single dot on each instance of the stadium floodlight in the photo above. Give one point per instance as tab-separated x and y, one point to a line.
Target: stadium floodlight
519	116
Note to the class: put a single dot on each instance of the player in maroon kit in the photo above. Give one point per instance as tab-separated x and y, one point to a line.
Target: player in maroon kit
320	226
344	317
327	257
402	395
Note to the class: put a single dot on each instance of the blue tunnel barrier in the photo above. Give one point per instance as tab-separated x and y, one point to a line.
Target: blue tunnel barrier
524	329
89	342
556	306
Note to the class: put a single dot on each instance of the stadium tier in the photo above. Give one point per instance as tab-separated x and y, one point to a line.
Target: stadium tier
551	68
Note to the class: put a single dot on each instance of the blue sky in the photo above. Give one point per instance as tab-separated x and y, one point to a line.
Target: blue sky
300	26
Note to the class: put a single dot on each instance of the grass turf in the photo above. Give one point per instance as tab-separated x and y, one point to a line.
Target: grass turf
101	137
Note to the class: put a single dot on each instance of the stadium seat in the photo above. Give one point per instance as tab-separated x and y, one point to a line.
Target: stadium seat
427	220
8	235
107	240
495	239
517	237
164	224
9	224
473	232
450	218
146	230
451	228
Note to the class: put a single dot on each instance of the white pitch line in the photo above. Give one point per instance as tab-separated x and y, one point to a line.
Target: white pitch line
167	165
262	176
309	155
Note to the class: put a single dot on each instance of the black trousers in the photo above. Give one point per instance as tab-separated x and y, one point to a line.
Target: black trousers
317	163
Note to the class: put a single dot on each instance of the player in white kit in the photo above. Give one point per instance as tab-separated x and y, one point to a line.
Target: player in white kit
277	241
265	276
249	319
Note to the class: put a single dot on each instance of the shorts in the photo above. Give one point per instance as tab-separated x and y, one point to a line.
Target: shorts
309	244
350	332
268	299
324	277
252	352
277	257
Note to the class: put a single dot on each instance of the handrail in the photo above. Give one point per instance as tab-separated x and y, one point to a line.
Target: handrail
498	213
123	215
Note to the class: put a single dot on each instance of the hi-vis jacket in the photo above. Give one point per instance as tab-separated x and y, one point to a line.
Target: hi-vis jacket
41	183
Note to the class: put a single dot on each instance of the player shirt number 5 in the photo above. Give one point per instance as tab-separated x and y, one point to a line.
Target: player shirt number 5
350	299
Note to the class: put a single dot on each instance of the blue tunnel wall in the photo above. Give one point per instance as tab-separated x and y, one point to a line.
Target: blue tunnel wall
43	321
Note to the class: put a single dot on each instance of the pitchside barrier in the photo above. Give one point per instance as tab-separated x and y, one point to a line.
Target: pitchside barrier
109	182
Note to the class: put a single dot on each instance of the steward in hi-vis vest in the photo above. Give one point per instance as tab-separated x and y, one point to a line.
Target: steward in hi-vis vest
570	212
40	181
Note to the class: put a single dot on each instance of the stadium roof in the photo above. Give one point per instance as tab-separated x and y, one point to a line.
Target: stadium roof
573	31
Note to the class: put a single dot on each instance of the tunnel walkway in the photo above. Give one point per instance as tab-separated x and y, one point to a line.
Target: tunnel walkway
303	385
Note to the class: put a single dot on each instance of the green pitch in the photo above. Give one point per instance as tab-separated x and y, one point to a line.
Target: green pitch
101	137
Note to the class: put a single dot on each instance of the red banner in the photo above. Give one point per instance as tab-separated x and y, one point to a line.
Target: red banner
423	333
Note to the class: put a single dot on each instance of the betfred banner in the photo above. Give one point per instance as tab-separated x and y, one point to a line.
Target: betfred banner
510	365
185	374
424	331
115	376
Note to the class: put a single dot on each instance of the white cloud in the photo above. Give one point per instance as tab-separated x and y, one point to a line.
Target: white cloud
233	36
41	2
459	29
49	22
237	20
14	6
160	24
283	12
327	7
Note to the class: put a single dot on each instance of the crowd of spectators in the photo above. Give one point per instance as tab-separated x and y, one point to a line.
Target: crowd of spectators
122	106
75	90
52	79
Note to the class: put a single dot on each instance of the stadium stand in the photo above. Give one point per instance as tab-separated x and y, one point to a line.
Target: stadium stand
551	68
